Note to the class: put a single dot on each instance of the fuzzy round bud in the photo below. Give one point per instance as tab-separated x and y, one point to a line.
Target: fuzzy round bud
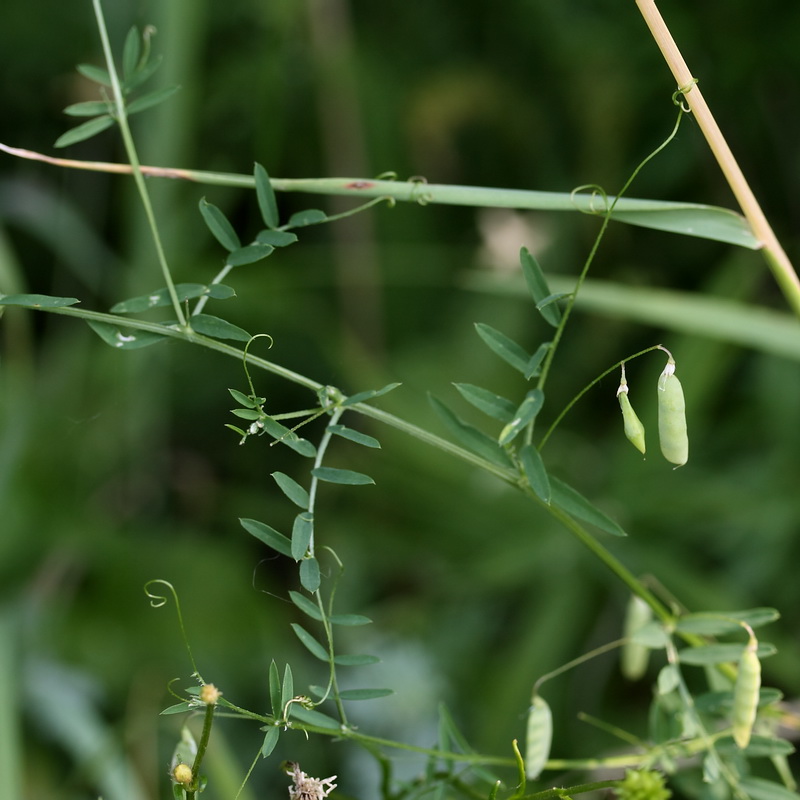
182	774
209	694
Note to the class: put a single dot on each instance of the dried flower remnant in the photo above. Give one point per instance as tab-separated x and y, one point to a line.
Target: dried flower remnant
306	788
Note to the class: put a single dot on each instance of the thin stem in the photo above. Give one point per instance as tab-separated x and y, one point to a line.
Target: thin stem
595	247
777	259
208	722
130	149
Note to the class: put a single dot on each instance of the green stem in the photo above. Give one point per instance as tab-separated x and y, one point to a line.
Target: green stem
312	497
208	722
130	149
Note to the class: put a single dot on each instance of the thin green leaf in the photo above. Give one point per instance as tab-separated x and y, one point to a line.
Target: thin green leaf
89	108
282	434
246	401
142	74
534	365
504	347
292	489
131	52
722	702
267	203
354	436
97	74
311	644
249	254
343	476
269	536
276	238
178	708
535	472
247	413
351	620
552	298
568	499
312	216
721	653
758	747
287	687
762	789
356	660
306	606
490	403
37	300
523	416
219	226
709	624
217	328
124	338
270	740
275	690
316	718
370	394
364	694
309	574
84	131
161	297
302	531
475	440
537	285
151	99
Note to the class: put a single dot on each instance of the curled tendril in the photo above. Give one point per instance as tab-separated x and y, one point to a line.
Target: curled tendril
597	192
157	601
677	97
387	176
418	196
244	358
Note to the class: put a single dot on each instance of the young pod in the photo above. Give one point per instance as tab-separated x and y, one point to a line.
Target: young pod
633	427
672	417
539	737
745	694
634	655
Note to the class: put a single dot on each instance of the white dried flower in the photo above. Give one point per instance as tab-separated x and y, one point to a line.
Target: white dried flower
306	788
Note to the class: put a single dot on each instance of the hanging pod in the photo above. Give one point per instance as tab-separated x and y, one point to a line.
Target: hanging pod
539	737
672	416
746	694
634	429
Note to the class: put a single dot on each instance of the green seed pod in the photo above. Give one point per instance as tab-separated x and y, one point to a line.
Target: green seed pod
634	656
634	429
672	417
745	694
539	737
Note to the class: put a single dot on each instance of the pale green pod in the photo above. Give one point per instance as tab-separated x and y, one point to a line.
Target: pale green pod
539	737
634	656
745	695
634	429
672	417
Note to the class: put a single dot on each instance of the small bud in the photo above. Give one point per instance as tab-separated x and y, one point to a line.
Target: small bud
182	774
209	694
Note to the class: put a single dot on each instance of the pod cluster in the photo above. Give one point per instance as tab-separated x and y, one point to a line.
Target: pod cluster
672	432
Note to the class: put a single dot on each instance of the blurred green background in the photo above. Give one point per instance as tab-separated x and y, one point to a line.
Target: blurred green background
115	468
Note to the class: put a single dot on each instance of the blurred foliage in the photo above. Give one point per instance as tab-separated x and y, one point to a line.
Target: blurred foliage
116	468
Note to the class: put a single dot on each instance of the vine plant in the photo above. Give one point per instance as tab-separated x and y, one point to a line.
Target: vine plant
717	731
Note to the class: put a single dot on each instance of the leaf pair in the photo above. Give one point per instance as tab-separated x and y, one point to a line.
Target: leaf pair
137	68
